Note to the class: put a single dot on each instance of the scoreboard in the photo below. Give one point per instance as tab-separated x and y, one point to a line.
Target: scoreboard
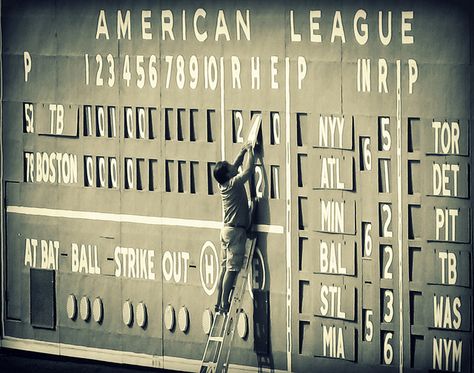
113	116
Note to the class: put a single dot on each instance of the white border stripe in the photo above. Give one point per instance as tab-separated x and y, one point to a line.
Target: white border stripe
2	206
115	356
137	219
288	214
98	354
222	110
400	211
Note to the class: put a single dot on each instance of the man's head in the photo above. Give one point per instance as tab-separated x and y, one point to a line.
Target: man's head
224	171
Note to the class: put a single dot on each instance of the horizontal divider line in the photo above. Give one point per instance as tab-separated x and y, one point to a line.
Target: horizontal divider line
117	356
137	219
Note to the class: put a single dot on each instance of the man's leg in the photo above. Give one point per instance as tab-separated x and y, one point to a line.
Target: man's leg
220	283
228	284
235	258
224	245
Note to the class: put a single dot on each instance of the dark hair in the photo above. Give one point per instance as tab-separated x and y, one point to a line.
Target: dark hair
221	172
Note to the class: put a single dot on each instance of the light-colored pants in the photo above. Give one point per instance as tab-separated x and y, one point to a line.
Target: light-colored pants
233	248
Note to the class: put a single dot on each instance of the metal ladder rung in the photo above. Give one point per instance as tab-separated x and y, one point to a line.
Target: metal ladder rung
216	339
209	364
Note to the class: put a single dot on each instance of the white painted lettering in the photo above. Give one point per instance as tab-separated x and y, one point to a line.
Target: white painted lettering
301	70
167	24
135	263
412	74
26	64
337	28
273	69
442	175
49	254
331	306
243	25
255	72
123	25
363	36
446	137
383	75
102	26
332	216
330	173
331	258
295	37
363	75
445	220
175	266
200	36
235	72
28	254
28	110
446	312
385	39
314	26
333	344
221	26
406	27
442	353
146	25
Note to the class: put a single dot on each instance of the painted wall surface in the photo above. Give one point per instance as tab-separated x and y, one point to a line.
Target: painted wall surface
114	115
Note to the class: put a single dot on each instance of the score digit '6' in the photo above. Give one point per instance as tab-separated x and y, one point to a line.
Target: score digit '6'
365	154
367	239
387	357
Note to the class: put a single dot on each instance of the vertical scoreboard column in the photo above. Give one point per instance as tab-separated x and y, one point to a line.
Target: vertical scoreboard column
255	85
439	217
334	240
192	140
376	184
327	282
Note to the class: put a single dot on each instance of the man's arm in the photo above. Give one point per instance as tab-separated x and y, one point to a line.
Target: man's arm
240	157
247	167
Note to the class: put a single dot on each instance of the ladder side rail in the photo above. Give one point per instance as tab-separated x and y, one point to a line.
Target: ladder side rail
212	356
235	310
217	363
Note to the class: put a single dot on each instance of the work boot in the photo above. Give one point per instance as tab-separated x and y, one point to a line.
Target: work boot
227	286
225	308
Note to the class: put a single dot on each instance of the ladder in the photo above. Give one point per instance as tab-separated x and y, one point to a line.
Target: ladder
217	353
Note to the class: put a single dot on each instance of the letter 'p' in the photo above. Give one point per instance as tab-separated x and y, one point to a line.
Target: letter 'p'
27	64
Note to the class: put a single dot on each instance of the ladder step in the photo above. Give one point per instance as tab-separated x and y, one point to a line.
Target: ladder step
216	339
207	367
209	364
220	315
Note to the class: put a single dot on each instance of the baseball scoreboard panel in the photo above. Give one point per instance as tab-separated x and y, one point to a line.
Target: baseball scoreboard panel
114	115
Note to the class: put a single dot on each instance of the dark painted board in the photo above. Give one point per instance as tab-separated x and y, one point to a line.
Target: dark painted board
115	115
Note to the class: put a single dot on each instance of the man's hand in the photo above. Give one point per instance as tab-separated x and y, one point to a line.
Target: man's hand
247	146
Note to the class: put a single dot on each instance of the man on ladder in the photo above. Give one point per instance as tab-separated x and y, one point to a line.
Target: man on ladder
236	220
237	250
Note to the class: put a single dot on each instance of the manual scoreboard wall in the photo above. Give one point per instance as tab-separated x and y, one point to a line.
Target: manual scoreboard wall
114	115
